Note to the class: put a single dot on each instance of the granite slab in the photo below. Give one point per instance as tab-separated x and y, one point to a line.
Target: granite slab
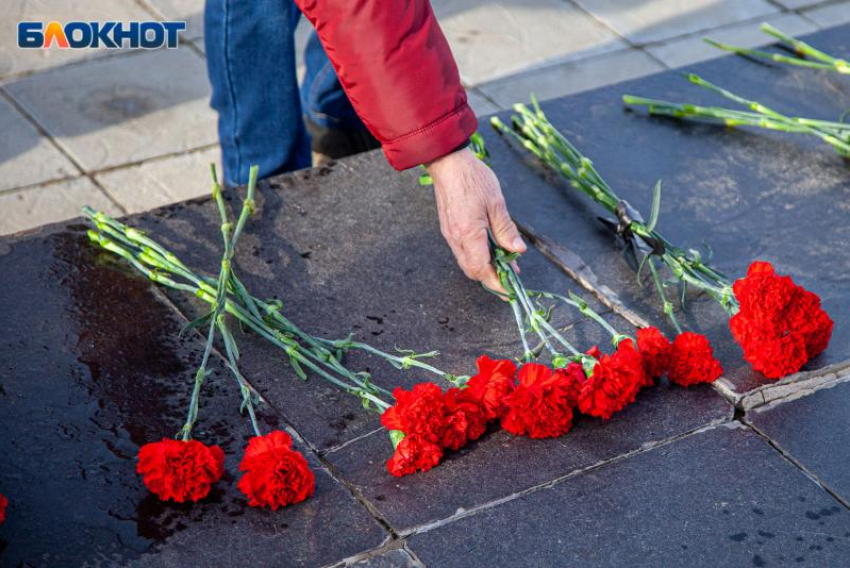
748	194
500	465
814	431
91	367
353	247
722	497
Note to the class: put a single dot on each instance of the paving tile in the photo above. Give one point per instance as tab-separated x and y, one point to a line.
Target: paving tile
730	189
495	39
124	108
161	182
572	77
830	15
677	53
31	207
501	465
718	498
645	21
14	60
481	105
814	431
27	157
190	11
353	247
92	368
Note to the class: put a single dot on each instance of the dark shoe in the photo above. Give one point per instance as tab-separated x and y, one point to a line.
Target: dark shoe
336	143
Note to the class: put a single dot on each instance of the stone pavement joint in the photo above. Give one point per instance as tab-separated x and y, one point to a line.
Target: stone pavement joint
463	513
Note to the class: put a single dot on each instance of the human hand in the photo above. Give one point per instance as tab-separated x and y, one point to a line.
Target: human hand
469	201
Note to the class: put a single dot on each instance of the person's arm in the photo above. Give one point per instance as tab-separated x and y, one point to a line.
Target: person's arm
396	67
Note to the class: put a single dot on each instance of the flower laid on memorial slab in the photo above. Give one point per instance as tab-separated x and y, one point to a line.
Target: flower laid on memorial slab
779	325
757	115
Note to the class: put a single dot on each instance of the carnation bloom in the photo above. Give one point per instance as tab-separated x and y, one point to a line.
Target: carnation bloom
412	454
465	420
3	503
574	378
494	380
417	412
614	382
654	349
540	405
275	474
692	360
779	325
183	471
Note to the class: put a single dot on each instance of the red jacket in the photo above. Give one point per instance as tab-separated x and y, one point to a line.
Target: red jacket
396	67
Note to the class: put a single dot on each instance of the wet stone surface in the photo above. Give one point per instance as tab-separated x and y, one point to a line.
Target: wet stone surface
718	498
748	194
355	247
815	430
91	368
500	465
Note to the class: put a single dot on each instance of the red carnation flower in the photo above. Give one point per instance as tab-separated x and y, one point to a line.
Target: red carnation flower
692	360
594	352
3	503
275	474
183	471
412	454
655	350
779	325
540	405
465	420
614	382
494	381
420	412
574	378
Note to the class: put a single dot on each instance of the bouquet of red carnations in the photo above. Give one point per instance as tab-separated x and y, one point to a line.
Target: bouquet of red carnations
274	473
779	325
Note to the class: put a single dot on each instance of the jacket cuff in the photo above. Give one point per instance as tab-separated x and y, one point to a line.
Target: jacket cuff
433	141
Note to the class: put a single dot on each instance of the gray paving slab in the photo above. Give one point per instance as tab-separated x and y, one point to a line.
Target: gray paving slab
571	77
189	11
748	194
646	21
32	207
500	465
718	498
27	157
495	39
91	368
161	182
829	15
692	49
813	430
397	558
354	247
111	111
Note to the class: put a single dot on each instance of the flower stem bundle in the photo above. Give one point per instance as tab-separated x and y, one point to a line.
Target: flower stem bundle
779	325
270	461
836	134
804	54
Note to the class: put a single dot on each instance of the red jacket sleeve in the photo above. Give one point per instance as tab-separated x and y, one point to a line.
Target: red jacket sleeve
396	67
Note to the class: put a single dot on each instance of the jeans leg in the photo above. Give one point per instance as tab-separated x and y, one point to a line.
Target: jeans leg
251	67
322	98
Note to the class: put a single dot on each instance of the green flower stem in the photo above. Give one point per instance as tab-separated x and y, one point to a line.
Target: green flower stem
532	130
823	61
585	310
151	259
668	305
245	389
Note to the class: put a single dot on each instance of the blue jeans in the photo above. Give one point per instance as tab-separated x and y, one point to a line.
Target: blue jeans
251	66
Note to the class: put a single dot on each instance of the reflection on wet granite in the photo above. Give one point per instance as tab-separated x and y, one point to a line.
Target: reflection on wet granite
748	194
90	368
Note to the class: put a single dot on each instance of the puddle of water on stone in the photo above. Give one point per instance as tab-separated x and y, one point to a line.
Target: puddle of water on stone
90	369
